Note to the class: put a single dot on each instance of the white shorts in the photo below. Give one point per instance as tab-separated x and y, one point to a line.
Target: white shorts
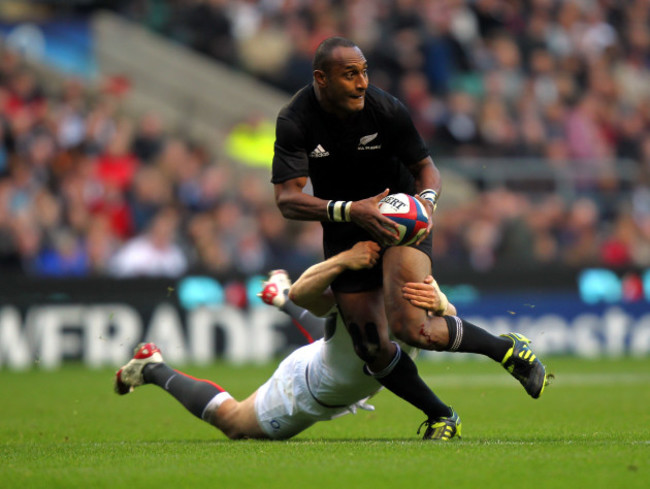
283	406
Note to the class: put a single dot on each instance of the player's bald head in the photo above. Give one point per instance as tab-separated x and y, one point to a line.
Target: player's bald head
324	55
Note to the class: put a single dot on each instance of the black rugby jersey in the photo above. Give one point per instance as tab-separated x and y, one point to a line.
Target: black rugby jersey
349	159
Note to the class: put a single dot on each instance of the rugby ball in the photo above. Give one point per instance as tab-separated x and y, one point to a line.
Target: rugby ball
408	213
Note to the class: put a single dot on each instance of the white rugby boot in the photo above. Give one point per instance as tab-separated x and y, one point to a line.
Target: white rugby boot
130	375
276	288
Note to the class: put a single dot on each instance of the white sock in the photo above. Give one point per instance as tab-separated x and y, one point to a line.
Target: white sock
214	404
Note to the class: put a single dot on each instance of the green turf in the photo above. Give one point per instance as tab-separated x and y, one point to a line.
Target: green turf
591	429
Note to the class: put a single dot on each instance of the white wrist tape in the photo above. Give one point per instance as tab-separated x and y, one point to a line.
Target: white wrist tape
339	210
430	195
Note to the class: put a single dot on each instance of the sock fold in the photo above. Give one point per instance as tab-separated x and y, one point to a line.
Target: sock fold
214	404
468	338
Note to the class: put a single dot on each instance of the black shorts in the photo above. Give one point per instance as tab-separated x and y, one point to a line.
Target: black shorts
343	237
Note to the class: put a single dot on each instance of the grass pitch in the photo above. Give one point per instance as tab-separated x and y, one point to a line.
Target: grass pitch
590	429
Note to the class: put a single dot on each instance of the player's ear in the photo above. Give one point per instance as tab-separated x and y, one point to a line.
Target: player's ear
320	78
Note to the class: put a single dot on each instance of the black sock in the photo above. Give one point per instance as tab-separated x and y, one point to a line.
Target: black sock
401	378
469	338
194	394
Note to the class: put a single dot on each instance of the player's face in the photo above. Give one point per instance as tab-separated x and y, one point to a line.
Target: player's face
346	81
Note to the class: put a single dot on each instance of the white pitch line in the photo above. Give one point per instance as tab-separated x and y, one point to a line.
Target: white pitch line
560	380
576	441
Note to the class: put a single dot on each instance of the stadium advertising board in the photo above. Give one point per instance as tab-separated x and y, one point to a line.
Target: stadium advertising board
98	323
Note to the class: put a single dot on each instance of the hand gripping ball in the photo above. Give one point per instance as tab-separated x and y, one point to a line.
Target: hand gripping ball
408	213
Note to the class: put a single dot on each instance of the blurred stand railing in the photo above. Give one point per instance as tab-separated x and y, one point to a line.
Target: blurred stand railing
194	94
539	177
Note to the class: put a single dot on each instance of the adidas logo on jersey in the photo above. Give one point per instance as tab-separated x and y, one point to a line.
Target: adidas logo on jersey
319	152
363	142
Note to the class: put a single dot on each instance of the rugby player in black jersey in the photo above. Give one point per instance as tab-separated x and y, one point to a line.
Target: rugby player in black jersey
357	143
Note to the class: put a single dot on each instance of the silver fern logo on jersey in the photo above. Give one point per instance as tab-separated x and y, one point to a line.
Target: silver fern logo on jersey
363	142
319	152
366	139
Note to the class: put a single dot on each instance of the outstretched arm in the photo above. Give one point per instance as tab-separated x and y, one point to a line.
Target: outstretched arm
312	290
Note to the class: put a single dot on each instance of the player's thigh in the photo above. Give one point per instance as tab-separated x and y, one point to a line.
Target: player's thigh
403	264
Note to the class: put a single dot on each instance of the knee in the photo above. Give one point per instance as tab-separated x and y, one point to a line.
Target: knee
429	333
232	433
406	333
227	419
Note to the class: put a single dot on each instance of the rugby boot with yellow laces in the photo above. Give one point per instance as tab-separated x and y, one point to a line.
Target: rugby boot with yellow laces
523	365
444	428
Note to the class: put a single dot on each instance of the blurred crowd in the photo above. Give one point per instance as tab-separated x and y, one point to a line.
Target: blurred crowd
560	79
87	191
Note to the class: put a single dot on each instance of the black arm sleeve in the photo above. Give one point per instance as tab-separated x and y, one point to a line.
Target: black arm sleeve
289	153
411	147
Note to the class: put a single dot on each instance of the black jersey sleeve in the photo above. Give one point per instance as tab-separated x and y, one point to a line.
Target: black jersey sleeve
289	156
411	147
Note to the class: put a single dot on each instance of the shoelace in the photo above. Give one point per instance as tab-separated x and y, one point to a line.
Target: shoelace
425	422
429	423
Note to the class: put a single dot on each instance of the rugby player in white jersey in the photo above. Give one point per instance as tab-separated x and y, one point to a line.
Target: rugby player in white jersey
317	382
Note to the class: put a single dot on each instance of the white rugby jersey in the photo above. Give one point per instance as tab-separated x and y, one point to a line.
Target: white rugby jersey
335	375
